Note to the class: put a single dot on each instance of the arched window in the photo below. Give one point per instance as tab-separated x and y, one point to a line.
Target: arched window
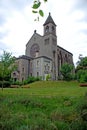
66	58
47	29
53	29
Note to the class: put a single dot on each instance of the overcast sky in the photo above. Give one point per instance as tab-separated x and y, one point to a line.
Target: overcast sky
17	25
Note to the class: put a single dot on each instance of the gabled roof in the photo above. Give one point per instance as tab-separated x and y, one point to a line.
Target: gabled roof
24	57
49	20
64	49
34	34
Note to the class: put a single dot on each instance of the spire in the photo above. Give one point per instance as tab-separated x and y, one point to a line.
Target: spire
49	20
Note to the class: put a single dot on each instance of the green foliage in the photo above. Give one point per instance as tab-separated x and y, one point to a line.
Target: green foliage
82	62
82	108
29	80
48	77
66	71
80	123
45	0
81	70
36	9
82	76
32	79
5	84
41	13
16	83
36	4
6	65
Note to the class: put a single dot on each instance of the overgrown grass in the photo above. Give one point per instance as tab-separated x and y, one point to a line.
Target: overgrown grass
43	106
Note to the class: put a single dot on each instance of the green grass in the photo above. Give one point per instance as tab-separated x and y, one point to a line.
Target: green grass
49	88
46	105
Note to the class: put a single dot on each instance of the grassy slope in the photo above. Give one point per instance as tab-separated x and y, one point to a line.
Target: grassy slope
49	88
45	105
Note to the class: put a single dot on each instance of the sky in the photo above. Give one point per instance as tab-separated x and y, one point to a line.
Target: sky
17	25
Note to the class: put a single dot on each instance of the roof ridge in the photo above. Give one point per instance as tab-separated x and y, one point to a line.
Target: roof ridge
49	20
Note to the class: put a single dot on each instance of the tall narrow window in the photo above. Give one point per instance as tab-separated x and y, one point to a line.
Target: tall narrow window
37	62
37	74
47	29
23	70
53	28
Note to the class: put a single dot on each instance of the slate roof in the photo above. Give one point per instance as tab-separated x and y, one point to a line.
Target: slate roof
49	20
24	57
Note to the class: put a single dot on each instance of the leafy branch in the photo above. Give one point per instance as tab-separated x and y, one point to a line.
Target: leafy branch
36	8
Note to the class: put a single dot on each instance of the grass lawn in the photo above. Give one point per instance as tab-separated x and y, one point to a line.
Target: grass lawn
48	88
45	105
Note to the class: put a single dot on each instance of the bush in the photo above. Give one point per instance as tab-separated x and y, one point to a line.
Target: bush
48	77
32	79
5	84
82	76
66	71
16	83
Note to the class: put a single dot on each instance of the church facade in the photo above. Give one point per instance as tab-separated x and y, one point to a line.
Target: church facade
42	56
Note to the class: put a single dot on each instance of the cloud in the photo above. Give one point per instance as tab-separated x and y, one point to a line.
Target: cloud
8	6
2	19
2	35
14	4
3	46
84	31
80	5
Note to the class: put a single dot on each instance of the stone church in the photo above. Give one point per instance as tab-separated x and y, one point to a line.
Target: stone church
43	55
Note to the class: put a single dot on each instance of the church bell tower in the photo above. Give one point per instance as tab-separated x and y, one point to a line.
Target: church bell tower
50	43
49	26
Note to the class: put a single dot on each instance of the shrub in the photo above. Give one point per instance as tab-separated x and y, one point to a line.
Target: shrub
48	77
6	84
82	76
17	83
33	79
66	71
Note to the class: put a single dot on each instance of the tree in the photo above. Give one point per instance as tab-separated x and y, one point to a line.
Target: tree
6	66
66	71
81	69
36	8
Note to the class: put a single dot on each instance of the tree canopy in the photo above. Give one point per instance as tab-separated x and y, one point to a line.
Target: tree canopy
81	69
66	71
6	66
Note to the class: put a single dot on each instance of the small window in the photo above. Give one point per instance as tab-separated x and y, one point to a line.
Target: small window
47	29
48	68
37	62
37	74
23	69
53	28
45	67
